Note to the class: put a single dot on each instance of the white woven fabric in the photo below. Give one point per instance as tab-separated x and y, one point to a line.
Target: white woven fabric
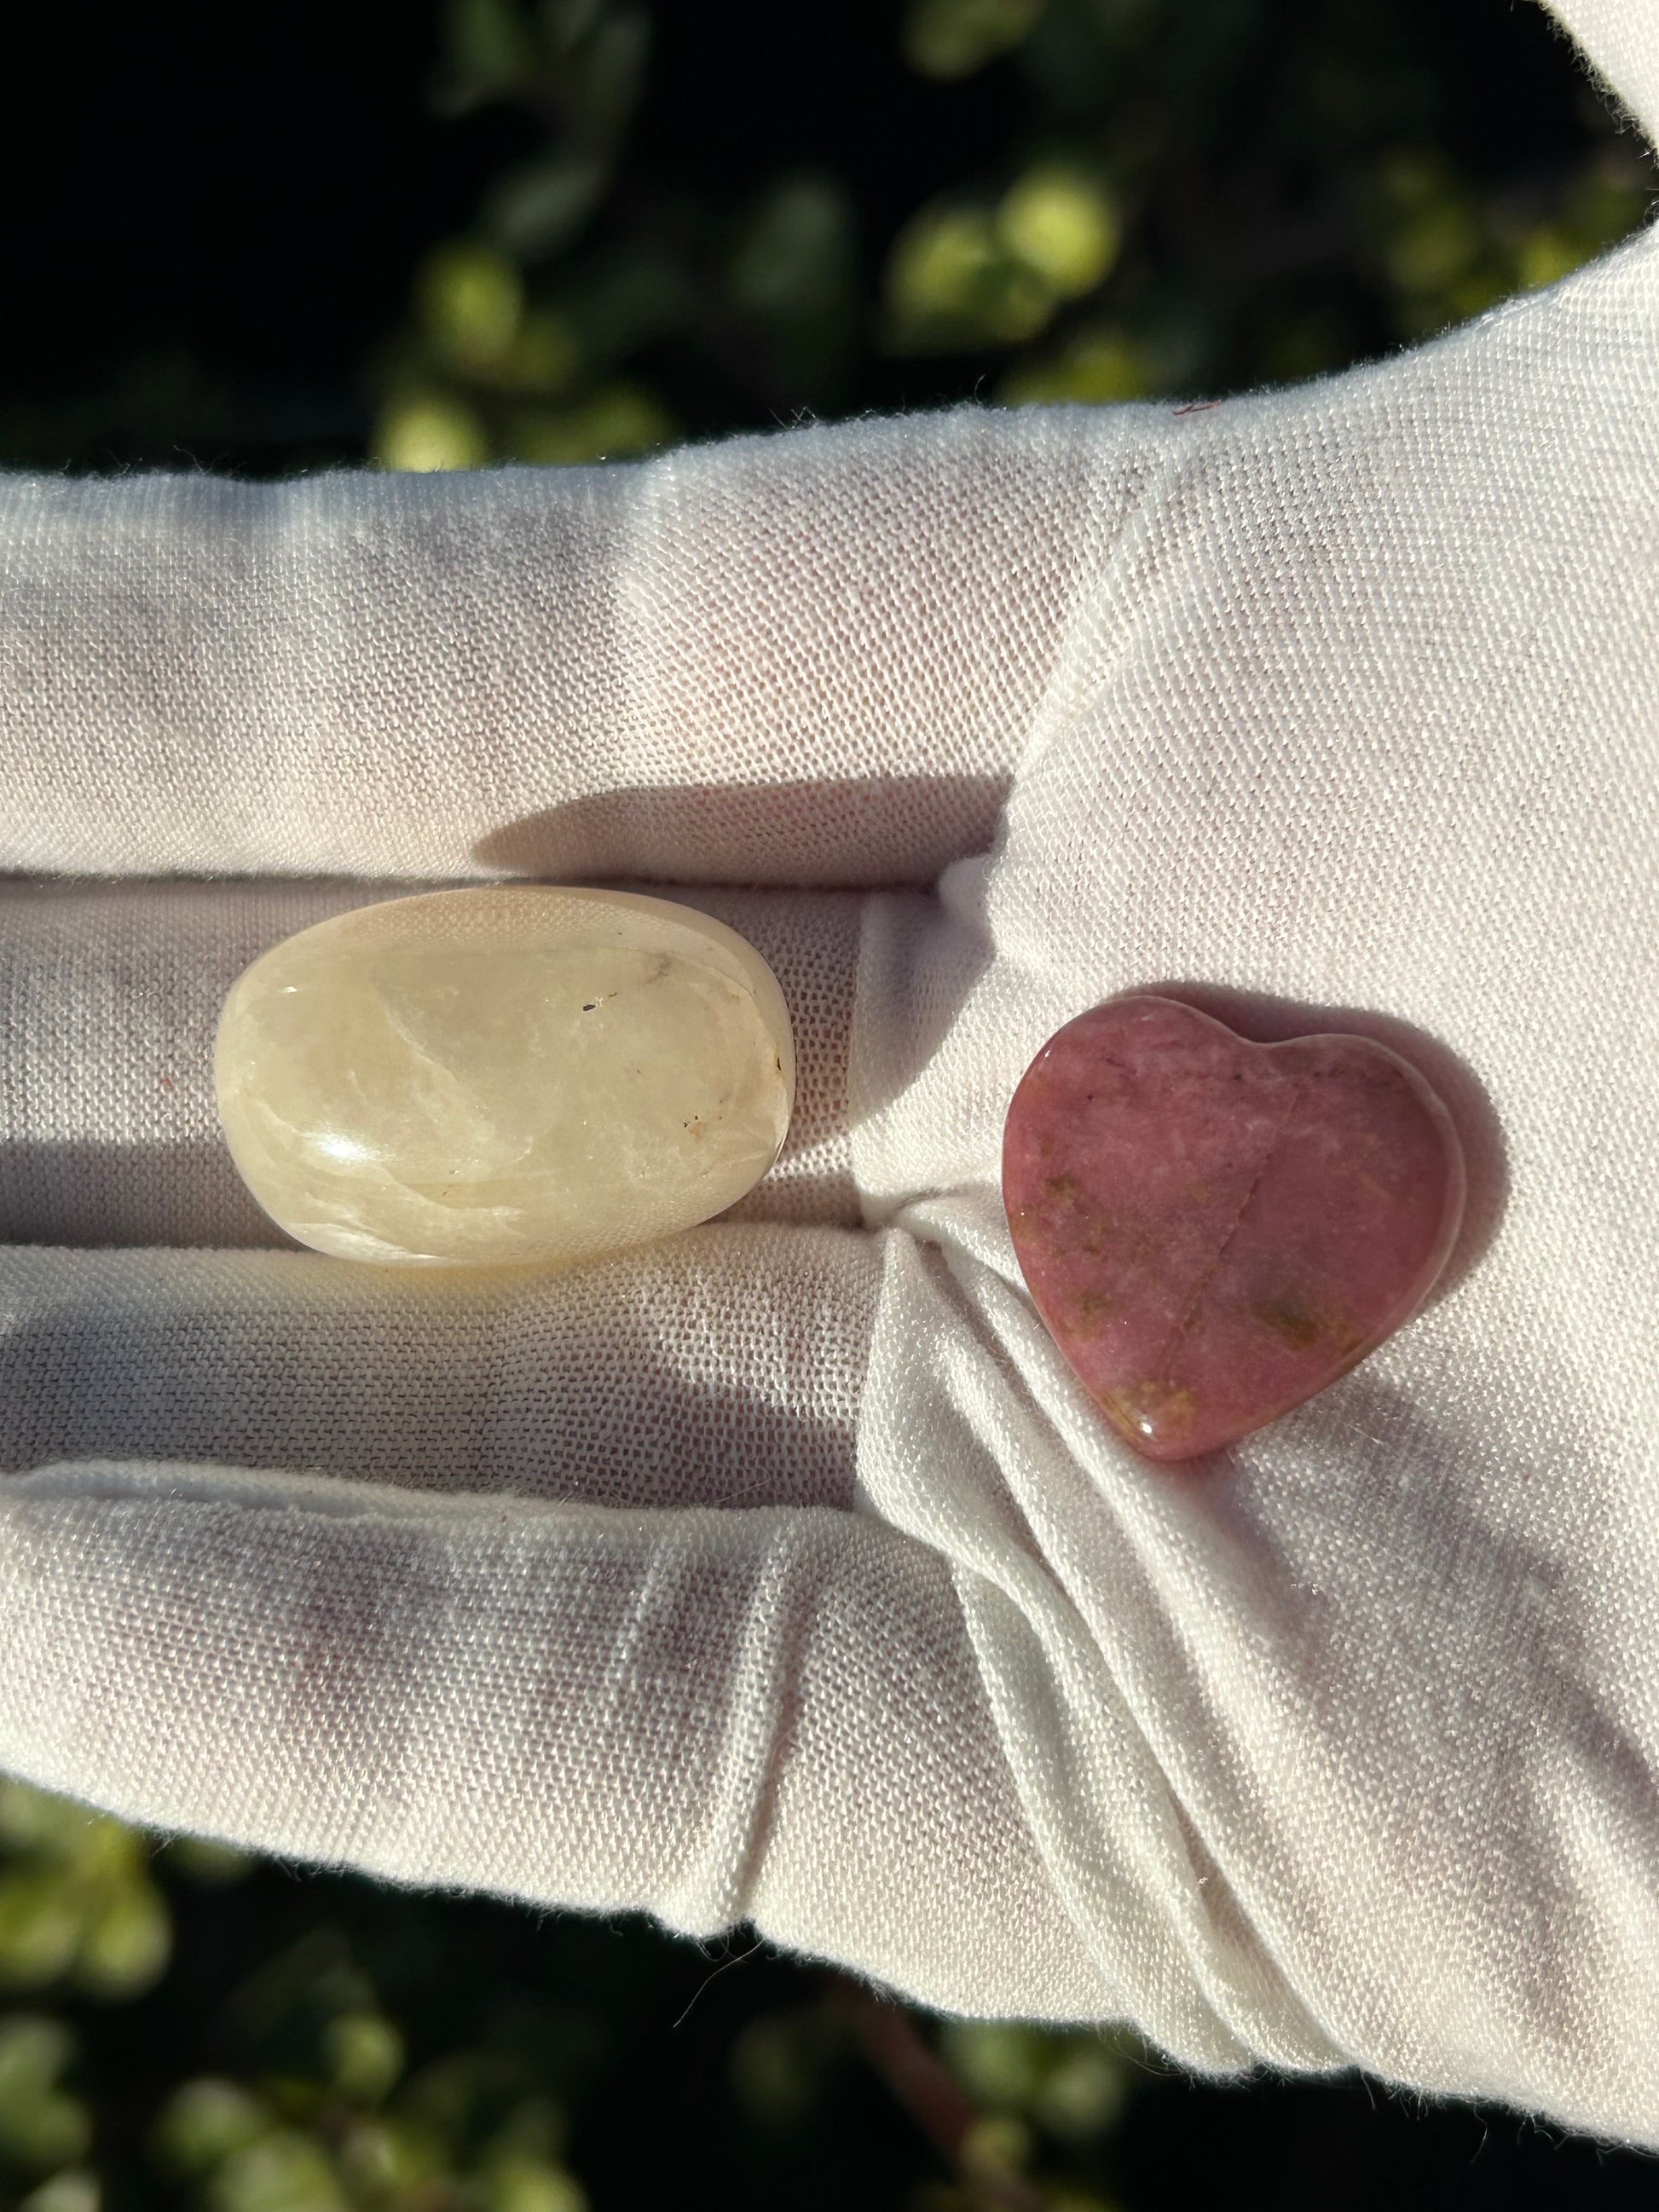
783	1572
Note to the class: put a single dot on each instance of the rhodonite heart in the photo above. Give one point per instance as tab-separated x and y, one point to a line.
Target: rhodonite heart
1214	1229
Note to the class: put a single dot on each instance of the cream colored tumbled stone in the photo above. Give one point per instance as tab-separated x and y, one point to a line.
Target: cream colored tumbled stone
518	1074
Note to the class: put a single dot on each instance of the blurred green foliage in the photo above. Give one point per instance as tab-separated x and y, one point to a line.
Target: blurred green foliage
157	2049
1193	195
551	230
76	1902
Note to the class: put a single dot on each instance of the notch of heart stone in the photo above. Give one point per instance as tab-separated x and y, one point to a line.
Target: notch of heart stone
1215	1230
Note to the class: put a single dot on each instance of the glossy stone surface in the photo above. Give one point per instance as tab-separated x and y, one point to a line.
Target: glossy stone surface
1214	1229
511	1075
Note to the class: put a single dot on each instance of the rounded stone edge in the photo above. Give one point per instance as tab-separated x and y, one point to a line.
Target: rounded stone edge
337	929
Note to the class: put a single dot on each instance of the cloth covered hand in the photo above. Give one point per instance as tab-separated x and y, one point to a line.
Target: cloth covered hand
782	1571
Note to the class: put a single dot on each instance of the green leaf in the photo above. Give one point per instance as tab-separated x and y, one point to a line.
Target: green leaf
40	2124
41	1918
952	39
204	2121
125	1942
365	2056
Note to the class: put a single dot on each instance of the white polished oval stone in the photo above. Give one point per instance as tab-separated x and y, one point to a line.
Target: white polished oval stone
516	1075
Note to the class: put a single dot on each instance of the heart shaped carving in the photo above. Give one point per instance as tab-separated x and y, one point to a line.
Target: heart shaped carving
1213	1230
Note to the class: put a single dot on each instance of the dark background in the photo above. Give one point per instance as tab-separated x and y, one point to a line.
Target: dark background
271	239
216	219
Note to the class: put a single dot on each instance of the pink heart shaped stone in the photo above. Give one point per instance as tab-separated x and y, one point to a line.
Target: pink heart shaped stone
1214	1229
